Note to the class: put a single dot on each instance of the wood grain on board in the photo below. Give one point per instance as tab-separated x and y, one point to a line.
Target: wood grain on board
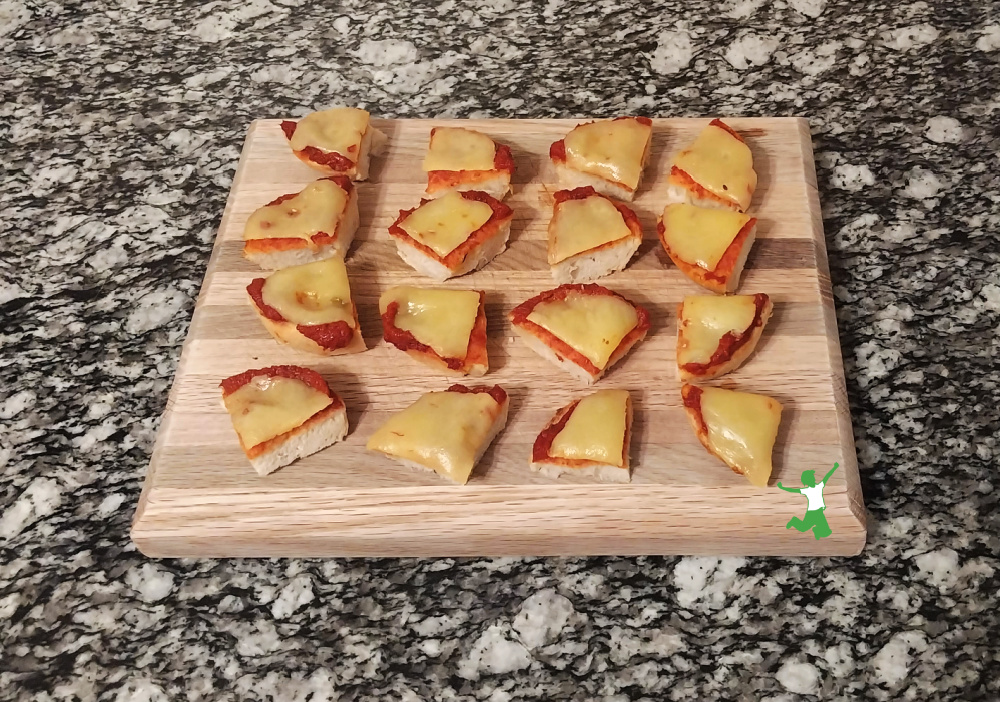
202	498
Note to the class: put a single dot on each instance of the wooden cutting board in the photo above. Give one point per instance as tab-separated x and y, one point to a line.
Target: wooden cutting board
202	498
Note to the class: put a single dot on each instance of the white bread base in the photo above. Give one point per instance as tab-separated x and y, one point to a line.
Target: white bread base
497	187
372	143
317	437
543	350
571	178
678	194
475	371
476	259
338	248
605	473
589	266
288	333
498	425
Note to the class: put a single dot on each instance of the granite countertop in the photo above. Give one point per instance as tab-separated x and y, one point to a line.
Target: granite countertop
121	126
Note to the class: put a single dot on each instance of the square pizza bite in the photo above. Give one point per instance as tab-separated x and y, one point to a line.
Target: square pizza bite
340	141
717	334
715	170
461	159
309	307
739	428
608	155
316	223
446	432
582	328
709	246
283	413
445	329
453	234
590	236
588	437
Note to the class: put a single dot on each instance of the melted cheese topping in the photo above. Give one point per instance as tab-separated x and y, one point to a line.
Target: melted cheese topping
318	208
581	225
705	319
594	325
612	149
442	431
457	149
722	164
700	235
267	407
446	223
313	293
742	428
339	130
596	429
442	319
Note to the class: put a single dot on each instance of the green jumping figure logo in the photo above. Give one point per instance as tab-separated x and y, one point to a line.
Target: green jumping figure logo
814	519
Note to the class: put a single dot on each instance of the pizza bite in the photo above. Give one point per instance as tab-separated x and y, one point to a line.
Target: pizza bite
715	170
453	234
444	329
460	159
309	307
738	427
709	246
590	236
340	141
446	432
588	437
283	413
582	328
609	155
717	334
316	223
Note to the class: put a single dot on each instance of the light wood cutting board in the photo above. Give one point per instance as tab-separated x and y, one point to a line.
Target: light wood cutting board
202	498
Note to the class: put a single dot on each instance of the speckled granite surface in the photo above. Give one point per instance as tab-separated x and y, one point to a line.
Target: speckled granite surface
120	129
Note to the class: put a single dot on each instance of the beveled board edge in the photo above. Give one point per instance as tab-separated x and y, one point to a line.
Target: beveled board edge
562	521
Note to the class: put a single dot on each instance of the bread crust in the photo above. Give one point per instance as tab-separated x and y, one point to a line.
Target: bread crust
725	277
572	178
477	250
598	261
735	353
286	332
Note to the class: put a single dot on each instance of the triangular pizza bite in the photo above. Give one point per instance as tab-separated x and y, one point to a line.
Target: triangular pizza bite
590	236
453	234
461	159
738	427
589	436
445	329
447	432
708	246
715	170
309	307
339	141
584	329
316	223
283	413
608	155
716	334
